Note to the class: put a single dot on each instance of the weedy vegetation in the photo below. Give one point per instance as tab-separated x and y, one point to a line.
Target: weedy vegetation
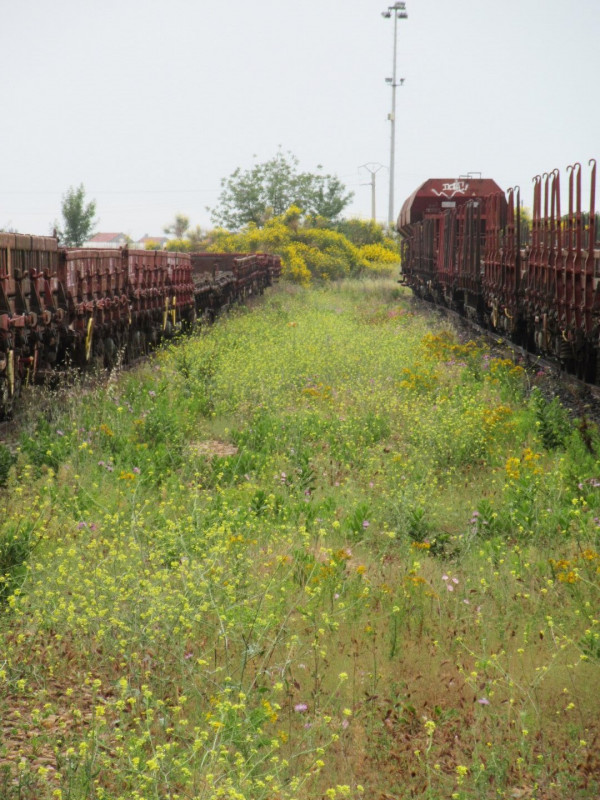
320	550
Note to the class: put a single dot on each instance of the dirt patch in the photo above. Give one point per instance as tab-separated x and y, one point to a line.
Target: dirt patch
214	447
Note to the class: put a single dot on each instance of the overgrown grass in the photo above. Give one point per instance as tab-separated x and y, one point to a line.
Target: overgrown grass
320	550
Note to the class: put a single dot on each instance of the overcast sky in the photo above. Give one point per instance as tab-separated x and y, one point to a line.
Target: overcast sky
150	103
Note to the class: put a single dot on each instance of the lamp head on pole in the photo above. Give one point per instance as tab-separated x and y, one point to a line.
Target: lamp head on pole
398	9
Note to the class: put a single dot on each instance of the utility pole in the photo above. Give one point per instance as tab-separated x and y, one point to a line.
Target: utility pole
398	10
373	169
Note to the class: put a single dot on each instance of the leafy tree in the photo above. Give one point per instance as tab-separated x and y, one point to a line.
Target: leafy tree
196	238
361	231
269	189
178	227
323	196
186	239
79	218
371	238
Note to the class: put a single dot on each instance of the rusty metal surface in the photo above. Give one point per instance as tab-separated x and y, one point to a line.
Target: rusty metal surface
438	195
82	306
537	283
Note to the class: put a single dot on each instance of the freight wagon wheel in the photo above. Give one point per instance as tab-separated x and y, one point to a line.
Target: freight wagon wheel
139	344
596	367
110	353
566	354
10	385
50	349
97	357
189	322
5	399
153	337
588	360
135	346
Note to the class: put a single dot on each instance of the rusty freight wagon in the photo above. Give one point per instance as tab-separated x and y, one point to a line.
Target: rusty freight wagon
465	245
80	306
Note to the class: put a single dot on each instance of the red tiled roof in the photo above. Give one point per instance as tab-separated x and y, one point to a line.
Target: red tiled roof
107	237
159	239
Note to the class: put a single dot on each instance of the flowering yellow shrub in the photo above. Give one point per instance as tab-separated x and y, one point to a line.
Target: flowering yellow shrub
377	253
307	251
294	266
178	245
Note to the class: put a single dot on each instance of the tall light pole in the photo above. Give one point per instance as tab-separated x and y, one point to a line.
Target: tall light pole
398	11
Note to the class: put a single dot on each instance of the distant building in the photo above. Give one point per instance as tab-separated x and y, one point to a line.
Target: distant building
107	240
158	241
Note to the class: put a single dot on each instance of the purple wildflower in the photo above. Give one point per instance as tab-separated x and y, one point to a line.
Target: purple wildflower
300	708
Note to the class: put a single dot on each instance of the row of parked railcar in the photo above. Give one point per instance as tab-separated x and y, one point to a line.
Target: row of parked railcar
467	245
80	306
